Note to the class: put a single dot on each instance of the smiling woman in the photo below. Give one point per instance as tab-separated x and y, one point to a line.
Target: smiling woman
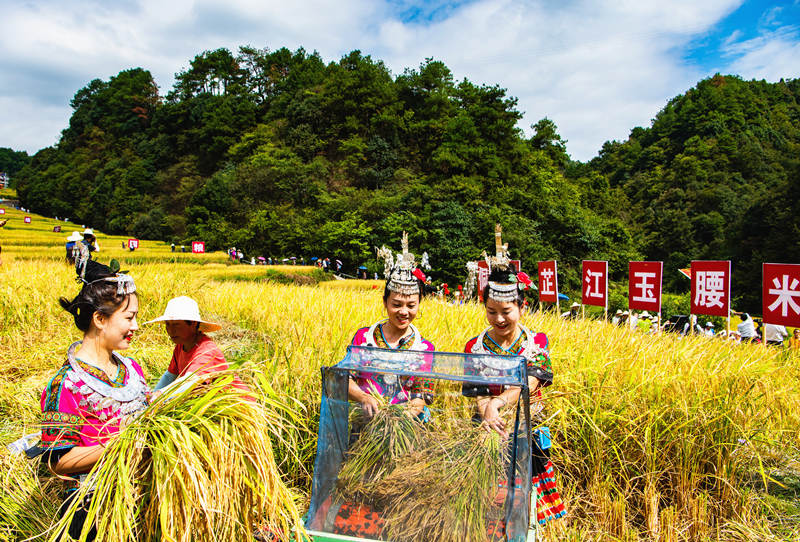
401	298
96	391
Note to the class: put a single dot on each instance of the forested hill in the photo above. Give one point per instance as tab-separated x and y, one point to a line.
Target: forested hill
281	154
716	176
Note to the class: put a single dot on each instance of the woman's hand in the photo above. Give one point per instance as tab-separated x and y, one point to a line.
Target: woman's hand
491	416
369	405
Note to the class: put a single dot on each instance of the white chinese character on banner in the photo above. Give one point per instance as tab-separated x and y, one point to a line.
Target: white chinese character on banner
645	287
596	275
786	294
709	288
547	286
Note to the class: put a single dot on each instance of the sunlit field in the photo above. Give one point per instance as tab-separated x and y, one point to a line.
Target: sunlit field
656	438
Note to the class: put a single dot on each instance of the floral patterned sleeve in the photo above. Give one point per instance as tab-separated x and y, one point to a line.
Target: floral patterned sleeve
539	365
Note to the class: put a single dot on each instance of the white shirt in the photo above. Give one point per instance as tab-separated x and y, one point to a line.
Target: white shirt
747	329
775	333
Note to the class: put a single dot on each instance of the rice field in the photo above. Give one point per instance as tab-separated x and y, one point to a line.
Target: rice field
656	438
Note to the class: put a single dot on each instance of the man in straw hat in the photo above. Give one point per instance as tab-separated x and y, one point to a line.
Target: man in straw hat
195	353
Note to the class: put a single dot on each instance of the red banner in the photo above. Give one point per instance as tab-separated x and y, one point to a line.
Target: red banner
548	281
781	294
198	247
2	211
595	283
711	287
133	244
644	286
56	229
27	220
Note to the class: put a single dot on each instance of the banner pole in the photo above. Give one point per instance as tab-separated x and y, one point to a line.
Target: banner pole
583	312
658	324
764	333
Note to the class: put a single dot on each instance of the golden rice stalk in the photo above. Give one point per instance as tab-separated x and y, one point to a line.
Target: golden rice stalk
196	465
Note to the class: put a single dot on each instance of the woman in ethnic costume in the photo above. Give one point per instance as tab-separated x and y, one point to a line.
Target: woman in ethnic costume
401	298
506	336
96	391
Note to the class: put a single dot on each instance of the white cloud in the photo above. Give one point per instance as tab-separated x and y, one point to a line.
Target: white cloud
771	56
596	68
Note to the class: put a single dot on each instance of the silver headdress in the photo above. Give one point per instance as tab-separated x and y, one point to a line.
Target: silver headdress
502	292
125	284
401	272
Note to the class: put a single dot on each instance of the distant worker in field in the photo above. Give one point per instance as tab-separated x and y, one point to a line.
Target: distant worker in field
709	329
71	247
573	312
195	356
96	391
401	298
794	342
90	241
775	334
506	336
2	223
747	328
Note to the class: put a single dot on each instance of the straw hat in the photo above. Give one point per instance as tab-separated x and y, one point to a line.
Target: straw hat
75	237
575	305
644	314
185	308
88	231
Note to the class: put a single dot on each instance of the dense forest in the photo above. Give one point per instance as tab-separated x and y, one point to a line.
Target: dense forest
281	154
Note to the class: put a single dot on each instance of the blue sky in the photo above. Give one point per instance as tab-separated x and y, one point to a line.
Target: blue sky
597	68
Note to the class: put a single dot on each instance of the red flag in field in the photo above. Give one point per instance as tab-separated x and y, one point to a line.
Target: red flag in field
781	294
2	211
548	281
27	220
56	229
711	287
198	247
595	283
644	286
133	244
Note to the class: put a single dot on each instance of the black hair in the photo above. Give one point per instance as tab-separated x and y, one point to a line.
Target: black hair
387	291
95	296
504	277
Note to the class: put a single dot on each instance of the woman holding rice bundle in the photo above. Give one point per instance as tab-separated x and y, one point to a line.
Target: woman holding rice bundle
401	298
506	336
96	391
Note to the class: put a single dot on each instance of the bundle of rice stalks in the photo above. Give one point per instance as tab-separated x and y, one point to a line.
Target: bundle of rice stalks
27	504
385	438
429	483
446	491
198	464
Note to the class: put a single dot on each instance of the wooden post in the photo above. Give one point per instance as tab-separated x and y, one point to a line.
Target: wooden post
763	333
658	323
605	314
583	312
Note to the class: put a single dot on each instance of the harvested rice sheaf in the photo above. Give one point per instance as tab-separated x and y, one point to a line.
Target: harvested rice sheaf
198	464
428	482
